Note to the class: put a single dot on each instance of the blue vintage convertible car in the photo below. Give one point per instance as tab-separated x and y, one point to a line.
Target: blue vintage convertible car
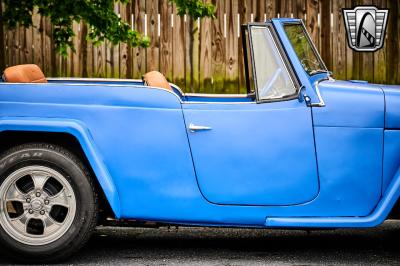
299	150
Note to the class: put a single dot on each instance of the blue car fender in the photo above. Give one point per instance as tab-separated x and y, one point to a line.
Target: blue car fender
82	134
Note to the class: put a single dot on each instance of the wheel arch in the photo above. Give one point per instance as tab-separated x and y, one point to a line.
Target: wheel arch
70	134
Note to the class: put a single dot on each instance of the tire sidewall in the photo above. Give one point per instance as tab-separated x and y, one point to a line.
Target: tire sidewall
77	178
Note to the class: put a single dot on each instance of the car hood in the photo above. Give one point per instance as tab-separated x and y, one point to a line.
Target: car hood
350	104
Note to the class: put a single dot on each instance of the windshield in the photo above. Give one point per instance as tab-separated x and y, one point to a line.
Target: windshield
309	59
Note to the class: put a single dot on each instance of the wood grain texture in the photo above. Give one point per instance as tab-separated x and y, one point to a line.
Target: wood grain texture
153	51
312	20
166	39
231	82
349	51
218	48
380	55
325	34
338	41
366	59
205	70
209	58
178	51
139	53
392	42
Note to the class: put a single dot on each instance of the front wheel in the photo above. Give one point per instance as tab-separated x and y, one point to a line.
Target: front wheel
48	206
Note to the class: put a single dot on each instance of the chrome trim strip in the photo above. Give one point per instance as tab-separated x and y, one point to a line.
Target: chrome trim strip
321	102
210	95
95	79
124	85
219	103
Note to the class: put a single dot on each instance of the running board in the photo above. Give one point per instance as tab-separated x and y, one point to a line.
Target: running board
377	217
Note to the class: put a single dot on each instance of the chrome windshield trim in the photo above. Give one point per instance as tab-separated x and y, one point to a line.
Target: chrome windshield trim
321	102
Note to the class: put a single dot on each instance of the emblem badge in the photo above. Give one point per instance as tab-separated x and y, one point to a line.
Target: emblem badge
365	26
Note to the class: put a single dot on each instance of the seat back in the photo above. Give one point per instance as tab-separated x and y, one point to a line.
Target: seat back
28	73
156	79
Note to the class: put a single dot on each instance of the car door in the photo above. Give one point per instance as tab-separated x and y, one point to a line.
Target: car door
260	152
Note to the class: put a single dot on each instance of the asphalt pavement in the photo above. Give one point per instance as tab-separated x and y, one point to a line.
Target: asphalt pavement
220	246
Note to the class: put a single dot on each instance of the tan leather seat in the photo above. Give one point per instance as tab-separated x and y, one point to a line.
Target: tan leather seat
156	79
28	73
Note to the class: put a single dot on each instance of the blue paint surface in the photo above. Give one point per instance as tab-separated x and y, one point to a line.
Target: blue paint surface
254	154
271	164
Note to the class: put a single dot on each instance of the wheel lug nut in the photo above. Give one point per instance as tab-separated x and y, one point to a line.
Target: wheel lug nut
46	202
42	212
28	200
30	211
37	194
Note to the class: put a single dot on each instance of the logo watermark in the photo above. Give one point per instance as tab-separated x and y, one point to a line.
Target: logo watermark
365	26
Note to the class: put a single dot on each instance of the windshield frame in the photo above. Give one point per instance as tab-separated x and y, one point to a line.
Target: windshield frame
313	47
283	55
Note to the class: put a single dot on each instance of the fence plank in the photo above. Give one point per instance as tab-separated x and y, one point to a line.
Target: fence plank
349	51
338	41
99	60
46	38
139	53
300	9
37	40
380	55
153	52
205	55
260	10
218	48
178	42
271	9
192	54
166	39
231	82
367	59
312	20
244	15
83	52
123	47
392	43
285	8
14	47
325	34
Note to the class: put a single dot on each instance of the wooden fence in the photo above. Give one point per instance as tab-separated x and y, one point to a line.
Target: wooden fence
205	55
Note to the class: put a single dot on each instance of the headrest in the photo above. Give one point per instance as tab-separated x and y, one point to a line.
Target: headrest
156	79
28	73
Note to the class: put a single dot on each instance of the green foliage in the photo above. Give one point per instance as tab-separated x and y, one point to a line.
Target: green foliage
103	22
195	8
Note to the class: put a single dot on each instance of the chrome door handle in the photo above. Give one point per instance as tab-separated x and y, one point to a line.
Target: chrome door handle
194	128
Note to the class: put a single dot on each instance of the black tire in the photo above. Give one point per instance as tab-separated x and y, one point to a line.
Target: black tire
85	217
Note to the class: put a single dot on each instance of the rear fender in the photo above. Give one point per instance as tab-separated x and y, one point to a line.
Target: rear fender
82	134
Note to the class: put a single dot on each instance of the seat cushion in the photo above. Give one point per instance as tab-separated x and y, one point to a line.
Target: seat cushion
28	73
156	79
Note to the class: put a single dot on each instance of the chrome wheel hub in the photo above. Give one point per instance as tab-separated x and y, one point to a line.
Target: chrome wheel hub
38	205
